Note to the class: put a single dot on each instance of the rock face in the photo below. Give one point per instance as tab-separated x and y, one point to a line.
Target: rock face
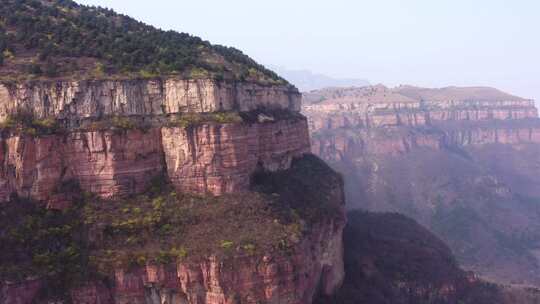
107	163
221	158
203	158
214	158
285	278
352	142
461	161
83	99
378	106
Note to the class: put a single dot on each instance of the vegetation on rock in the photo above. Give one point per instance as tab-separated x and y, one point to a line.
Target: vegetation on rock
60	37
95	236
25	123
389	258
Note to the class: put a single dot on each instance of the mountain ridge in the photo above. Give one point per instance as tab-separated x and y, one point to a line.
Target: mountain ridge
52	38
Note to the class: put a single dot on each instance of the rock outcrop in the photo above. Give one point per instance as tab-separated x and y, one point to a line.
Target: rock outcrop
213	158
221	158
272	278
74	100
306	262
142	166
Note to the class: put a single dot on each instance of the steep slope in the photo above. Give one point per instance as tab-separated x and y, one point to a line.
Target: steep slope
464	164
55	38
391	259
153	167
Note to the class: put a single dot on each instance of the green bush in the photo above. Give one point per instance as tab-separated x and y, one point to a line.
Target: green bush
122	123
227	244
25	123
226	117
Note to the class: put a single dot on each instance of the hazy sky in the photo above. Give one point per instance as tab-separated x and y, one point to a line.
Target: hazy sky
420	42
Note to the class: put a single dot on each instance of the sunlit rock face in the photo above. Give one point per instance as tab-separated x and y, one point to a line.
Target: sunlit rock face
96	98
221	158
209	157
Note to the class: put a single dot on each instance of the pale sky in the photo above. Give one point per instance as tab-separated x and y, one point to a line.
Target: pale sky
430	43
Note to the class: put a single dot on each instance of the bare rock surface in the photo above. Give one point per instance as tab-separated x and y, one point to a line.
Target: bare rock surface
97	98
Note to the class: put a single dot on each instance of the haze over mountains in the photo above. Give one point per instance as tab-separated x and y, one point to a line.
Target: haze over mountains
462	161
306	80
143	166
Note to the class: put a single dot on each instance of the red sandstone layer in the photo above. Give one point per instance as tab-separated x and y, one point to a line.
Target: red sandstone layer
210	158
221	158
352	143
316	265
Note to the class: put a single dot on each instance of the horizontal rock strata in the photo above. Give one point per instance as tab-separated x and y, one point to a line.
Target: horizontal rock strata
315	265
214	158
83	99
221	158
380	106
349	143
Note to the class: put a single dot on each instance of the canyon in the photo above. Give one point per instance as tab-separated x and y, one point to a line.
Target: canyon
461	161
142	166
145	166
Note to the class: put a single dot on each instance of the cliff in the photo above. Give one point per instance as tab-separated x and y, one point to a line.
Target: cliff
461	161
144	166
96	151
116	163
207	158
378	106
272	244
75	100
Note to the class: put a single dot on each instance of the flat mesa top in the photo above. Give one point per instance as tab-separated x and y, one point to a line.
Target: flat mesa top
407	94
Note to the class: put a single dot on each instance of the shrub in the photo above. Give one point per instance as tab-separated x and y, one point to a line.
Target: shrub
199	73
99	70
227	244
8	123
26	123
249	248
226	117
164	257
35	69
122	123
179	253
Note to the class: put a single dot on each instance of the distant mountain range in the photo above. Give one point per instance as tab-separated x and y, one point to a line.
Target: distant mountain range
306	80
462	161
